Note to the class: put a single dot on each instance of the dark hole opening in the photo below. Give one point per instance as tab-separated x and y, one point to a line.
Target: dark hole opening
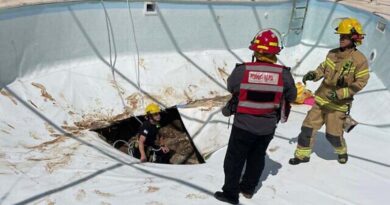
150	7
176	136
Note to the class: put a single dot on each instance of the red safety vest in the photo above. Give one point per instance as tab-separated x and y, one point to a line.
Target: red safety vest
261	88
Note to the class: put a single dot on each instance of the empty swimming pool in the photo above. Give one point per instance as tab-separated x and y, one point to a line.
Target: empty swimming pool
67	68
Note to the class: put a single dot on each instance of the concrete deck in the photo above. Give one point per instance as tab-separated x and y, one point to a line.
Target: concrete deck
380	7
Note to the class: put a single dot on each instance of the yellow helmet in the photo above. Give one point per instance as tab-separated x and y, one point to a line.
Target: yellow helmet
349	26
152	108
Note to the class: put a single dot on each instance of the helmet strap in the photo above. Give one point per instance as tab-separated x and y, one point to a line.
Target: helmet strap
149	117
351	45
357	39
265	57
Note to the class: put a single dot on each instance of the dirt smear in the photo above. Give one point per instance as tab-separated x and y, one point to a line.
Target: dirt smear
50	202
81	194
9	96
152	189
55	153
100	120
169	91
34	135
71	113
49	128
58	162
273	149
71	129
92	123
154	203
209	102
39	159
133	100
115	85
223	74
45	145
44	92
187	96
104	194
196	196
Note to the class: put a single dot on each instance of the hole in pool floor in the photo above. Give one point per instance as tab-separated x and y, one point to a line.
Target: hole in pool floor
123	133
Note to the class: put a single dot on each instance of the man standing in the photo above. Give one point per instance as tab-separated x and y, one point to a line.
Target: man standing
262	88
344	72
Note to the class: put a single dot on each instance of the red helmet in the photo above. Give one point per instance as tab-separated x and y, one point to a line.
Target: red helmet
266	41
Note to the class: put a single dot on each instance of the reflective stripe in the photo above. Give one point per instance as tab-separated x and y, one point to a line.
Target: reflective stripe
341	150
330	66
256	41
352	69
264	68
271	88
330	63
263	47
273	44
301	153
362	73
258	105
346	92
322	102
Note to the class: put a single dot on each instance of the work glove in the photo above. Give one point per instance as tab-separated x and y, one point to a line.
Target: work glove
332	95
311	75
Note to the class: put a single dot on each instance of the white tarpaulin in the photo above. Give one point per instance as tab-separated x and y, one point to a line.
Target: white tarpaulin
67	68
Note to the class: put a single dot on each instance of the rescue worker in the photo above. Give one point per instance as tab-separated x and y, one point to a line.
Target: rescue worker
148	135
344	73
261	86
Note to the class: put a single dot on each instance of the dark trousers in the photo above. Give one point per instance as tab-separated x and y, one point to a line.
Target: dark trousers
244	147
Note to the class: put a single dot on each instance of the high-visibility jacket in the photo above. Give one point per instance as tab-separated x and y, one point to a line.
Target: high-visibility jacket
261	88
346	73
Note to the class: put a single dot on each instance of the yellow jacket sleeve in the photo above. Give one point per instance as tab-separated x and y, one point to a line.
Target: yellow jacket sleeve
319	72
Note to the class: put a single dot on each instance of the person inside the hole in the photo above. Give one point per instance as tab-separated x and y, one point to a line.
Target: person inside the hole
150	145
263	91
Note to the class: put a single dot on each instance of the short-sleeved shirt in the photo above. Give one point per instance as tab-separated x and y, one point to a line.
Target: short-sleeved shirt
150	132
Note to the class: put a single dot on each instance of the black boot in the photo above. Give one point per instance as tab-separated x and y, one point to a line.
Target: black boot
342	158
245	192
223	197
295	160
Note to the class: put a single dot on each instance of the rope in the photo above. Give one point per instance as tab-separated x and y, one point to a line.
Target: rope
129	146
110	34
137	51
113	144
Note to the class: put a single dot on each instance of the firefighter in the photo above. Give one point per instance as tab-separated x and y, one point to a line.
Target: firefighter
344	72
148	140
261	87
